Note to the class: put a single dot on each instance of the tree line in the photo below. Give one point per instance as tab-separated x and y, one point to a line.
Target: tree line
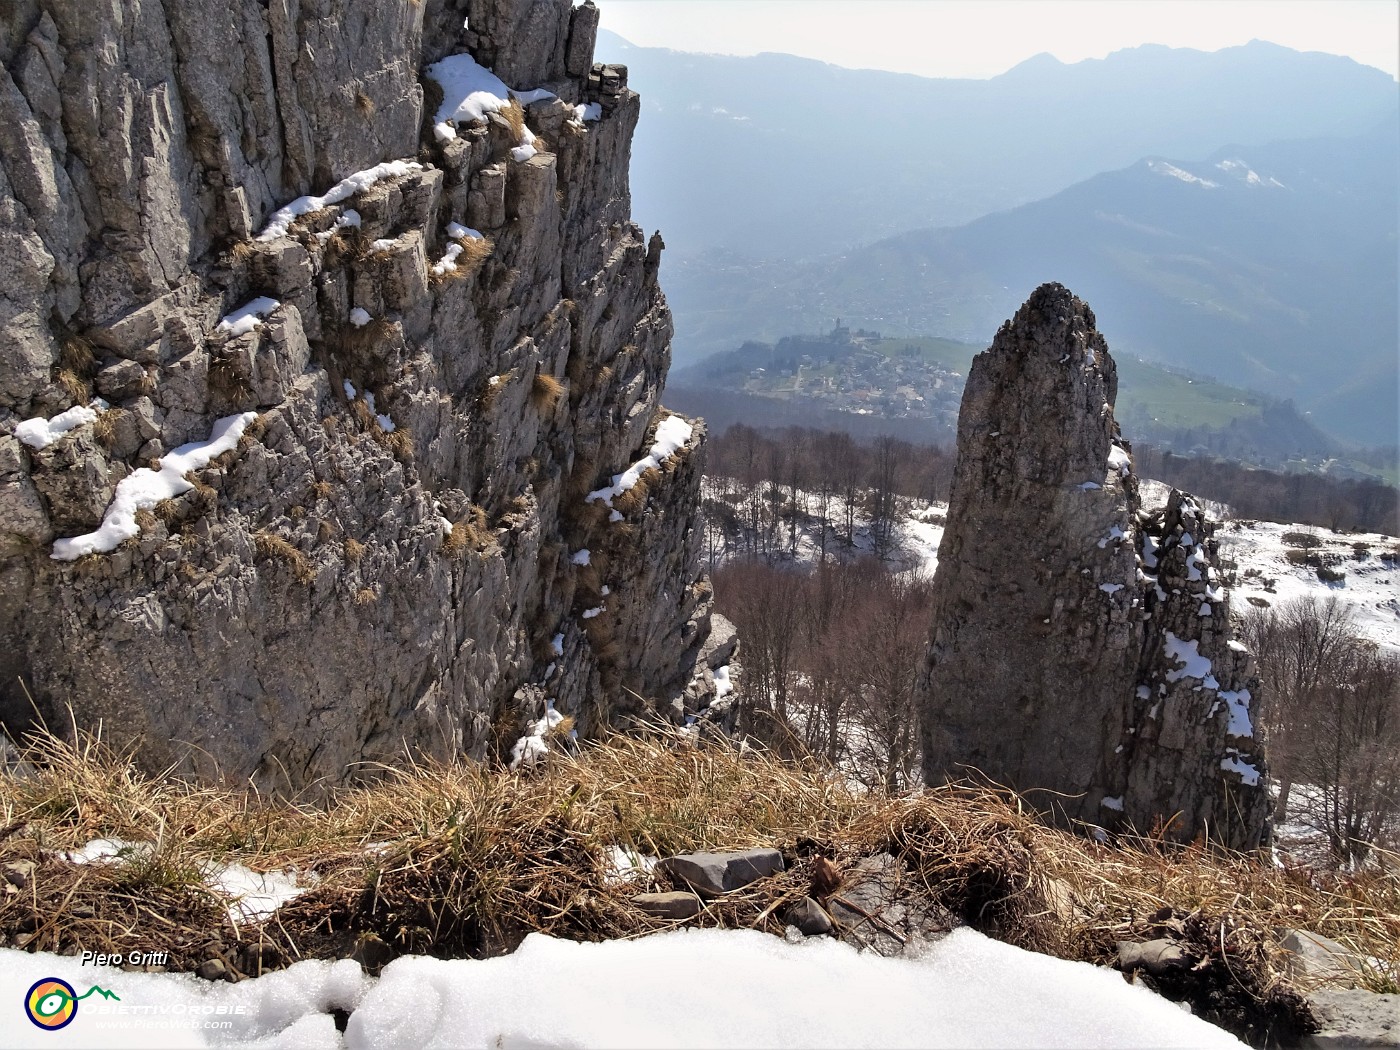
836	464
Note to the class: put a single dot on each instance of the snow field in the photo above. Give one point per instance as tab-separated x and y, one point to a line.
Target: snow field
761	991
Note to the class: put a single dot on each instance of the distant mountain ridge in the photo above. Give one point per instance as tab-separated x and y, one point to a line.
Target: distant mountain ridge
773	154
1273	268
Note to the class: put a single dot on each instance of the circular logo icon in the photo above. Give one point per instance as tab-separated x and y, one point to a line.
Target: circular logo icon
51	1003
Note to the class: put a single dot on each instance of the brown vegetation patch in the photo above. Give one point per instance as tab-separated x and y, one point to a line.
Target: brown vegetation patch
545	392
270	545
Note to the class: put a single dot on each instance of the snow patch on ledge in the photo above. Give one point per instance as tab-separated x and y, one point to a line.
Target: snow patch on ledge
671	435
143	489
40	433
247	317
360	181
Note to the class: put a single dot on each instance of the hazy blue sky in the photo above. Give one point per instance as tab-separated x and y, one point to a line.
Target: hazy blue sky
981	38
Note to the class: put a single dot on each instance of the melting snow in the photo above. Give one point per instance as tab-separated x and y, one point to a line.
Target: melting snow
1234	762
360	181
359	317
530	748
1110	588
41	433
671	435
1114	803
143	489
469	92
760	991
581	557
247	317
1114	533
1194	665
256	895
1238	701
1119	460
723	686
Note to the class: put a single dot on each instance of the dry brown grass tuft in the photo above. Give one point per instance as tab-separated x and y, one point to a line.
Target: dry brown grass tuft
513	113
226	377
495	385
320	490
271	545
145	519
325	531
462	538
399	443
475	251
74	385
354	549
76	355
366	596
104	427
545	392
634	499
364	104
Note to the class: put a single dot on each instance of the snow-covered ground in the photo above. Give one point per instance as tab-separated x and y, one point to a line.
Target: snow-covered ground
1370	588
690	988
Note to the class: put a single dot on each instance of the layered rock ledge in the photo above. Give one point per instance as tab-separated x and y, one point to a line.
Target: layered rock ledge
304	386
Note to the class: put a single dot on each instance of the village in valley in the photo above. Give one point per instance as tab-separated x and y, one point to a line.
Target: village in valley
848	371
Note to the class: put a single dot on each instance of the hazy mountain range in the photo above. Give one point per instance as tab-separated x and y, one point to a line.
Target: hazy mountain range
791	191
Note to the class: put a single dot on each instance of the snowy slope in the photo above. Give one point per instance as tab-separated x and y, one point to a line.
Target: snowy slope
1370	586
692	988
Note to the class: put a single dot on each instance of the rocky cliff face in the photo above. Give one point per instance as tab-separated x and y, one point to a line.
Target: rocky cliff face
1081	649
309	362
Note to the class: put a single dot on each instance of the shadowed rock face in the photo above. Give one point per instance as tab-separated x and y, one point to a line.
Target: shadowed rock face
1081	650
330	592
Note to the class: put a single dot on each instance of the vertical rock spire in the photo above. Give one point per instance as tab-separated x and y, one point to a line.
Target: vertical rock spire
1062	660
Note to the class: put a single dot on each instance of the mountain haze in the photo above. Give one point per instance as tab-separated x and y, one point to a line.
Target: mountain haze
1272	267
778	155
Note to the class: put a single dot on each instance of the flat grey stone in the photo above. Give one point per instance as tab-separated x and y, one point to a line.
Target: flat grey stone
676	905
1156	957
711	874
1313	957
1354	1017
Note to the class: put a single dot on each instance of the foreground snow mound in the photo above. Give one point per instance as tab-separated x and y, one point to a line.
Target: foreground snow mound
967	991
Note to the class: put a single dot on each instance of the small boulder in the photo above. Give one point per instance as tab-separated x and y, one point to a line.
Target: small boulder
711	874
1313	957
678	905
1156	957
809	917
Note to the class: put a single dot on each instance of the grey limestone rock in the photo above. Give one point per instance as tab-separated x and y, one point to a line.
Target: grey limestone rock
712	874
674	905
1353	1017
349	584
809	917
1081	650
